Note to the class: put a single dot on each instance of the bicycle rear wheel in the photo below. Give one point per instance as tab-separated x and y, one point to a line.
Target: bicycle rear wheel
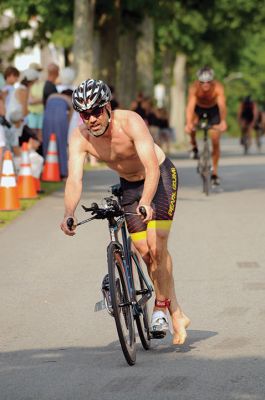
142	318
121	304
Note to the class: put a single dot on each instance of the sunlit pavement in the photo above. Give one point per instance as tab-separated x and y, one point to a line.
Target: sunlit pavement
53	345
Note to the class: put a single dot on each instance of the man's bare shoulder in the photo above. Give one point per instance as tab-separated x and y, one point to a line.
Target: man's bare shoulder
78	138
125	115
219	86
128	119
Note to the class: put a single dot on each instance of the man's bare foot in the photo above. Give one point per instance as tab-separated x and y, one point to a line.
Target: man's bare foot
179	326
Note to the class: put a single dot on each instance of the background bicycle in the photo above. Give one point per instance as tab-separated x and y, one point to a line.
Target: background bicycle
204	162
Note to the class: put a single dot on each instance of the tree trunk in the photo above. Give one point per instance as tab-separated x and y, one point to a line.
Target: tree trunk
167	71
145	58
178	98
109	49
126	85
83	34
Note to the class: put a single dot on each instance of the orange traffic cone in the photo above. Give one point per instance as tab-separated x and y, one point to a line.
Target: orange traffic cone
9	200
26	182
51	170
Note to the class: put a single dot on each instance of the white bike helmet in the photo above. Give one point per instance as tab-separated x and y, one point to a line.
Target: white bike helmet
90	94
205	74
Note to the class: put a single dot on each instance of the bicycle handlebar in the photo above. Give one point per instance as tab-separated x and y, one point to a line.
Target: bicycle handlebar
142	211
112	209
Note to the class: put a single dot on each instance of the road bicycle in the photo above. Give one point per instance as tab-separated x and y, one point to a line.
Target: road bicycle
245	139
125	288
204	162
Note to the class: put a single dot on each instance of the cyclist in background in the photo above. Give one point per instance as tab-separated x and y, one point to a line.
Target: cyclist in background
206	95
247	117
122	140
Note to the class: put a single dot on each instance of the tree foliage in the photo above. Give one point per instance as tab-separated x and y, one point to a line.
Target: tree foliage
228	35
53	21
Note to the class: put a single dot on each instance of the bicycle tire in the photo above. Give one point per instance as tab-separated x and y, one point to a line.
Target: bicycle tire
142	319
120	300
205	170
245	142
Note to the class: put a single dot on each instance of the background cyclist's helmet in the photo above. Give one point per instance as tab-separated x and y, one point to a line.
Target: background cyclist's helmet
90	94
205	74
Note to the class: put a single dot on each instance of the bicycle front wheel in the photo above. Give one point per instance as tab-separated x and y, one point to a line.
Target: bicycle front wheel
205	169
121	304
142	318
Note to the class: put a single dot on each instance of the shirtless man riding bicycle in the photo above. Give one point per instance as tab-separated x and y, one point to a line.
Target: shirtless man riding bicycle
206	96
121	139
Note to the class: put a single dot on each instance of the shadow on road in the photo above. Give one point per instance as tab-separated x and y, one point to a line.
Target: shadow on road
101	373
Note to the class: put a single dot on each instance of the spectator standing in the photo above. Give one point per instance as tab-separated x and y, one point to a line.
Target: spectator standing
57	114
20	96
50	83
35	103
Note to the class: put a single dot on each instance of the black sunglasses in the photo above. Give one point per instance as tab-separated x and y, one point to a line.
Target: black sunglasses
96	112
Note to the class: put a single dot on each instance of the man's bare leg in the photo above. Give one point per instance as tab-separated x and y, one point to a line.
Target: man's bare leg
161	274
215	136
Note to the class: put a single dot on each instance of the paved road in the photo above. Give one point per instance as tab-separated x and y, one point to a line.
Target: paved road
54	347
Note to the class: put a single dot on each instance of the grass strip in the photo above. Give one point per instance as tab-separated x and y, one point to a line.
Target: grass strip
48	187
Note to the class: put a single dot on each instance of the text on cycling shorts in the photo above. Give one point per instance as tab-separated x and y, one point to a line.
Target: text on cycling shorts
163	204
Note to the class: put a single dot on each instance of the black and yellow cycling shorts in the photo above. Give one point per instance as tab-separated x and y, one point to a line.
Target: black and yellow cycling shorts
163	204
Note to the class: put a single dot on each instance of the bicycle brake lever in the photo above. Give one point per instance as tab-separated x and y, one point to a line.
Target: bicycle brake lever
93	207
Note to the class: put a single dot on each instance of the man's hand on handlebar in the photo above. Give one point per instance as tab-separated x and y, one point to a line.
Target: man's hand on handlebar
221	127
189	128
145	211
68	225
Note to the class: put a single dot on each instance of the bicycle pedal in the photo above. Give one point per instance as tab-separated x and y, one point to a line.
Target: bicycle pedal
157	334
107	301
99	306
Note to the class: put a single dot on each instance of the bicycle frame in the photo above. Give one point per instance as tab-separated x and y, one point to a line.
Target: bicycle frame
116	225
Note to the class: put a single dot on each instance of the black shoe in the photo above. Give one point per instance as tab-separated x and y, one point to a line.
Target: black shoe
215	180
194	154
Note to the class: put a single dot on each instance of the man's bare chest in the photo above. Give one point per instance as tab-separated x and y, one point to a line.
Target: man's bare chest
111	151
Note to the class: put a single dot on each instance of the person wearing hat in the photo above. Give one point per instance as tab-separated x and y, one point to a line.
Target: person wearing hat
18	134
19	97
35	104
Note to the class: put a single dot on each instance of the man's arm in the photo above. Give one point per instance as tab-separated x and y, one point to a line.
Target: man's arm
221	103
144	144
73	186
191	104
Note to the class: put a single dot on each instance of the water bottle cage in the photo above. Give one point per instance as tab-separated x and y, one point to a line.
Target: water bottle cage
162	303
